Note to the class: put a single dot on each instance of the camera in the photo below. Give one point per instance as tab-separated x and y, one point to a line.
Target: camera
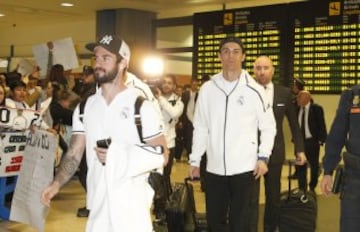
104	143
154	84
338	180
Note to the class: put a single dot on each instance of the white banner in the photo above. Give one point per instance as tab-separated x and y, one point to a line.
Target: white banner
11	152
36	173
18	119
64	53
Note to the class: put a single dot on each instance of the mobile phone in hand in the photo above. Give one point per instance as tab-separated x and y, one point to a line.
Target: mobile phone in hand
103	143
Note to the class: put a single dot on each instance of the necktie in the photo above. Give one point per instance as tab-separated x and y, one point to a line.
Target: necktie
303	122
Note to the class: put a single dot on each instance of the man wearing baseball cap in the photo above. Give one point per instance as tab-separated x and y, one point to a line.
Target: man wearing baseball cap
113	44
117	45
109	113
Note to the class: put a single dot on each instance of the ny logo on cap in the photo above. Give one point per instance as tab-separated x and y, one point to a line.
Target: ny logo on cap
106	39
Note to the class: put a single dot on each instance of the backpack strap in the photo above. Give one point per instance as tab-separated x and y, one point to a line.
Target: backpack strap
81	109
137	116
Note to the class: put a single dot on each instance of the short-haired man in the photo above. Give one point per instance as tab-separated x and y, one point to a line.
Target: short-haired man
313	127
280	98
171	108
230	112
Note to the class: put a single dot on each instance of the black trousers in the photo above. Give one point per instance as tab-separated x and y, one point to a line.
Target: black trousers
350	196
83	171
272	200
188	129
272	197
160	203
203	163
168	168
228	201
312	149
179	143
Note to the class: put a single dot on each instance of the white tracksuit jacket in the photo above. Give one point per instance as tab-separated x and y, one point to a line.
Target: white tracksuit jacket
227	124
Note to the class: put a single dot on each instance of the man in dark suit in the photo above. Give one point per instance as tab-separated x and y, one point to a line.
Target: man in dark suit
281	99
312	123
189	99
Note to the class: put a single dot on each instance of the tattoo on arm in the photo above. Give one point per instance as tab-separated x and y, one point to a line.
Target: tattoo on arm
71	160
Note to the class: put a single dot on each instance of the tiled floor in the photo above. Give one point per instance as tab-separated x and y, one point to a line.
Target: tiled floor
62	215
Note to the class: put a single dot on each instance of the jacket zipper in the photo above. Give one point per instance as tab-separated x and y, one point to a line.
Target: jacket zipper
226	106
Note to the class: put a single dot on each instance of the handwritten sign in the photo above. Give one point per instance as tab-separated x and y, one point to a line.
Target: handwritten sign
63	53
25	67
36	173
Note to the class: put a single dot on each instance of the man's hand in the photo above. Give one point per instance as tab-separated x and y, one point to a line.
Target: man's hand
101	154
300	158
157	92
261	169
194	172
49	192
326	185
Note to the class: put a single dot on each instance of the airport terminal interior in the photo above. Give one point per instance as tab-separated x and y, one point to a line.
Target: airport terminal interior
183	31
62	214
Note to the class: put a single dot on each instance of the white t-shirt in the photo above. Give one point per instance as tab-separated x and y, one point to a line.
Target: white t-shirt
116	121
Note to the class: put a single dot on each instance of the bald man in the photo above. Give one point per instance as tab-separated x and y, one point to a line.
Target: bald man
281	99
312	123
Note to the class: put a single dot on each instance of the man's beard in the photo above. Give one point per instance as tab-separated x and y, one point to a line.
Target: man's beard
107	77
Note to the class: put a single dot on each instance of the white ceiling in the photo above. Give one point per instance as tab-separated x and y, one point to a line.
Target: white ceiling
35	12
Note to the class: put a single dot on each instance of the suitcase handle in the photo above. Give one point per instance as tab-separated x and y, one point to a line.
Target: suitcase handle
291	163
189	179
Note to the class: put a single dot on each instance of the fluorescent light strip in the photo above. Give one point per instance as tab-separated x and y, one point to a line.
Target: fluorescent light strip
67	4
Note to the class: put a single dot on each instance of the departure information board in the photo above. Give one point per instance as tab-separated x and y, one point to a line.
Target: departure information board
260	34
326	45
317	41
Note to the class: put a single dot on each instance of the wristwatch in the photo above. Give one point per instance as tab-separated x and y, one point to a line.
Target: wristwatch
265	159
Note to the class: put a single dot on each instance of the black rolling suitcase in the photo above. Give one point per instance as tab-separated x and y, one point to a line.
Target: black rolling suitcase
198	219
177	209
298	209
181	212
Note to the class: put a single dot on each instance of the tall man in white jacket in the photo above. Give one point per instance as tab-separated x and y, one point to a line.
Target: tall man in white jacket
236	128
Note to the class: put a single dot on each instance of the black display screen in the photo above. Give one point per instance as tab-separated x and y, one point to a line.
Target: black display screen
317	41
326	45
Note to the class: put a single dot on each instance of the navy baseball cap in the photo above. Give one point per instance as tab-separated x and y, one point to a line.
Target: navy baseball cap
113	44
